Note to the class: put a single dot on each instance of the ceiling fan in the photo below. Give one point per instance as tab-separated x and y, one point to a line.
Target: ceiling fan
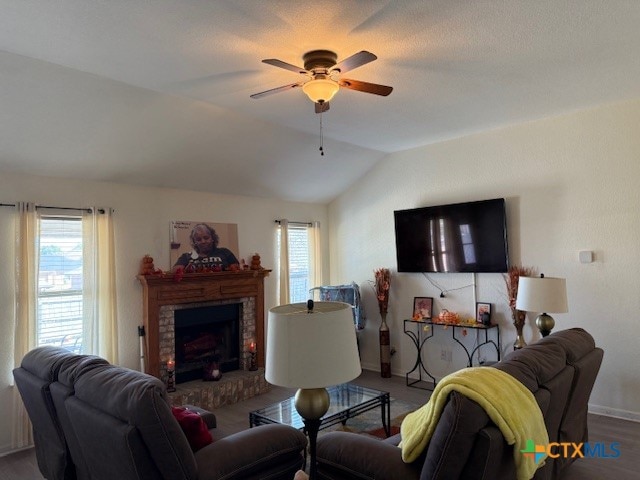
323	77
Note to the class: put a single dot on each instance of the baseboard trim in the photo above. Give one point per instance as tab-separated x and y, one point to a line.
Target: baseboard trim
614	413
395	372
7	450
373	367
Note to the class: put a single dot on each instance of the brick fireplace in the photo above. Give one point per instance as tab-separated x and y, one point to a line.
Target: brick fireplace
162	296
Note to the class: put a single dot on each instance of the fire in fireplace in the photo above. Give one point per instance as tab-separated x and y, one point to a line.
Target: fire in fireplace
204	335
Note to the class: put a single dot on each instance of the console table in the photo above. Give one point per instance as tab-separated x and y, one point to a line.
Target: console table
414	329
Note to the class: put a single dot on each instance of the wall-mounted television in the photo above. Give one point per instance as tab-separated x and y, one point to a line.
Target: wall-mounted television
460	237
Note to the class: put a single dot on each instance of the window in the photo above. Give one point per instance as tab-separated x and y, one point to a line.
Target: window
298	264
59	313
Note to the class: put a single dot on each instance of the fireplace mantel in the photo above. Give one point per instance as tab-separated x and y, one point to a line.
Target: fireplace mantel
160	290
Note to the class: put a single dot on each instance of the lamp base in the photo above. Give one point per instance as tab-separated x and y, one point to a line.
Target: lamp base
545	324
312	404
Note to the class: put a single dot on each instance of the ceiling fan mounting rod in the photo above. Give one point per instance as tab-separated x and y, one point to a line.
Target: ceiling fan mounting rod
316	59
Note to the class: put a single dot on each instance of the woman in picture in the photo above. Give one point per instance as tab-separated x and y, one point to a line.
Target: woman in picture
206	255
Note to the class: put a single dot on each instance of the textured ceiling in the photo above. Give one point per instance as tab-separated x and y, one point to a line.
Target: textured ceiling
155	89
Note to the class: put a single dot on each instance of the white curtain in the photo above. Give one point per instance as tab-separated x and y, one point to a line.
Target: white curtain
100	322
26	257
100	313
315	255
284	261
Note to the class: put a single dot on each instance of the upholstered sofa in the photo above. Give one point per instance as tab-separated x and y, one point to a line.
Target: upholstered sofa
93	420
559	370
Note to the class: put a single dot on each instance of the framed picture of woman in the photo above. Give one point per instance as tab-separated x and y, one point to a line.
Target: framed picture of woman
203	246
483	313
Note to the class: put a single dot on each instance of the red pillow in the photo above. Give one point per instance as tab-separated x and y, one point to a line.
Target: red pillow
193	427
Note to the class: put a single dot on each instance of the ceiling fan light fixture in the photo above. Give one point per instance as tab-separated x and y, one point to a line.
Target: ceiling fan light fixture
320	90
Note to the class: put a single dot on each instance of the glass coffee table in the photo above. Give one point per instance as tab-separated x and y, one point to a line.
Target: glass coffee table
346	401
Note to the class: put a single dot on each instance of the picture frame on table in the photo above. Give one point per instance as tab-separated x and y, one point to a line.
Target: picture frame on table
422	308
483	313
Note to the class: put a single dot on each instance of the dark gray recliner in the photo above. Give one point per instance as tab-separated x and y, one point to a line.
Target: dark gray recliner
93	420
126	430
62	389
559	370
38	369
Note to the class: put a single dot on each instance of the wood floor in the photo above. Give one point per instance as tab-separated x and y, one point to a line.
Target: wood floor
234	418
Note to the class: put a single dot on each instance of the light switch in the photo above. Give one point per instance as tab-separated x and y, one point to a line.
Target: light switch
586	256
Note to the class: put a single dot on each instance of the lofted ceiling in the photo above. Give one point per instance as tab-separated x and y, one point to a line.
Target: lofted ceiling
157	93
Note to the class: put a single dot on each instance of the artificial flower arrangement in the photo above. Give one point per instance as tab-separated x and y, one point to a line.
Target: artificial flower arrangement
382	284
511	282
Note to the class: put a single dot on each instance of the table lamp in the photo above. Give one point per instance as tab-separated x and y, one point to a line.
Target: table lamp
542	294
311	346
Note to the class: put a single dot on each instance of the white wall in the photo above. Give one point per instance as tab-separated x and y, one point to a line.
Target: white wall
141	226
571	184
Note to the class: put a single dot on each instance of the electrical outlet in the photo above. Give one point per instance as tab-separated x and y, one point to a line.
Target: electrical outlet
445	354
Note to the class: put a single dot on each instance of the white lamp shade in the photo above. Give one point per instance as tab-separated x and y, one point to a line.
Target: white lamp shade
311	350
546	294
320	89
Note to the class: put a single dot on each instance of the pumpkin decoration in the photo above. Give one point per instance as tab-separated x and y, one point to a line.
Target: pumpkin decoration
255	262
146	265
448	317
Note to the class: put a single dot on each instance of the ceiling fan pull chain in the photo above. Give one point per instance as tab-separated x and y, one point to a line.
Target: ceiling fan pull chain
321	136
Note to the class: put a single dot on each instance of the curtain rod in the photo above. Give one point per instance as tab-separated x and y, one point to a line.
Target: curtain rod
306	224
88	210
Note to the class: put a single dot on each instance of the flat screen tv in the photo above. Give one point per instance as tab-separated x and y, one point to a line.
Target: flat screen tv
461	237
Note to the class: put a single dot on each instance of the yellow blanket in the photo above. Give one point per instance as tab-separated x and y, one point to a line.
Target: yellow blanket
509	404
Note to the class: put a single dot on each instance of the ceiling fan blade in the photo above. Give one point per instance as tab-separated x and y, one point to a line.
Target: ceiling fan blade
365	87
322	107
354	61
276	90
287	66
